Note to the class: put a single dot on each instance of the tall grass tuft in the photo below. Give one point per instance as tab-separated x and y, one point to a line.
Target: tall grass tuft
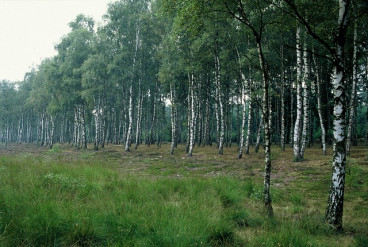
51	204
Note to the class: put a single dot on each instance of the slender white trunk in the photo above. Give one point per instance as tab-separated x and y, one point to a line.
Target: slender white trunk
319	107
247	142
291	115
130	125
334	211
52	131
241	141
217	118
96	114
298	98
7	133
83	127
220	104
20	129
282	139
305	86
189	117
173	118
139	117
266	119
192	111
206	133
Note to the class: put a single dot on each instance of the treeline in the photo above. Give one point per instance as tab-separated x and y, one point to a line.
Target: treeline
201	72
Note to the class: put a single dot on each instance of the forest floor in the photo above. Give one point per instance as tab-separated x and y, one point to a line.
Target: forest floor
225	191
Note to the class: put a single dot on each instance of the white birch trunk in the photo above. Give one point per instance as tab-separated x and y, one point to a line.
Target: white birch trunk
282	139
130	125
52	131
83	127
20	129
173	118
139	117
334	211
298	98
206	133
319	107
96	114
217	118
266	119
305	86
291	115
220	103
247	141
241	141
192	112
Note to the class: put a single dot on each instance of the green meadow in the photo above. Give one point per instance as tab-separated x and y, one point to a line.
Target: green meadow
69	197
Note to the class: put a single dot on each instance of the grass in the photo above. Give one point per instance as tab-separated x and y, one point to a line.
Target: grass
65	197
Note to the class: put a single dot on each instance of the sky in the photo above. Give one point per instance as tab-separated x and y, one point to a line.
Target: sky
29	30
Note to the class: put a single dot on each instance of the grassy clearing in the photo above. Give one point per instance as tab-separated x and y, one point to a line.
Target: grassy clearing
64	197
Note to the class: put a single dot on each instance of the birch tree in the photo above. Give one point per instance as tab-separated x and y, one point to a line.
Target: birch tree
256	25
299	104
334	210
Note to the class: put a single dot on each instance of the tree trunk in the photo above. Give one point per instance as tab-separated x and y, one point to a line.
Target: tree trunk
267	175
334	210
305	86
241	141
192	114
220	104
96	114
298	98
282	137
207	119
83	127
247	141
291	116
173	119
139	117
130	125
52	131
319	106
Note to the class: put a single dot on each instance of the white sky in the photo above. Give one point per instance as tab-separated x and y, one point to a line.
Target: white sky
29	30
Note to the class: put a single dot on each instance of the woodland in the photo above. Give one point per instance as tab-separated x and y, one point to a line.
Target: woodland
259	108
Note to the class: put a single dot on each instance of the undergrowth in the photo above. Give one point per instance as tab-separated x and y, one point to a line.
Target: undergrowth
46	202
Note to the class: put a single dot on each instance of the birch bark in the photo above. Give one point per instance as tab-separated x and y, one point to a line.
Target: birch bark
298	98
266	120
130	126
139	116
319	106
52	131
282	138
334	210
241	141
247	141
220	104
173	119
305	86
192	118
